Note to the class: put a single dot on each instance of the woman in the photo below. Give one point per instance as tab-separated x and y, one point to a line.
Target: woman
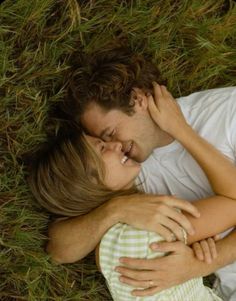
60	183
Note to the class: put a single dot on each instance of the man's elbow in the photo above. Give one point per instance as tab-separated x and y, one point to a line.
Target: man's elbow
56	258
57	251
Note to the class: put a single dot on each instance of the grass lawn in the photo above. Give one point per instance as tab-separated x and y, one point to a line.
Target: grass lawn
192	41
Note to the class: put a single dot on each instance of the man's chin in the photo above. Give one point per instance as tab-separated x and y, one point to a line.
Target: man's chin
142	157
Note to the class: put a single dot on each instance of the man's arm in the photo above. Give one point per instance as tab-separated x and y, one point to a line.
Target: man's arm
168	271
72	239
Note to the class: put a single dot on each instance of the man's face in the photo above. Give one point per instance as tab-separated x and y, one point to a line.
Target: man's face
137	133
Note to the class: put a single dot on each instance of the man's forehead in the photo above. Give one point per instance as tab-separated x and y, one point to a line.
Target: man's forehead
96	113
93	106
96	120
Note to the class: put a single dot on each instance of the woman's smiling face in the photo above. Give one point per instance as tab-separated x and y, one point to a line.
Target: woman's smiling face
120	171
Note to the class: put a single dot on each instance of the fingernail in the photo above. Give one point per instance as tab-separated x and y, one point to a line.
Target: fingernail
122	260
148	94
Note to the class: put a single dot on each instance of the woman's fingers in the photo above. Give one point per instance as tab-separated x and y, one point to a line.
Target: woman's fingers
166	93
157	93
153	109
212	247
205	250
198	251
171	118
162	94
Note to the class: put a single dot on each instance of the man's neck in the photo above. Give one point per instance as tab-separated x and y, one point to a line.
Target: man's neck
163	139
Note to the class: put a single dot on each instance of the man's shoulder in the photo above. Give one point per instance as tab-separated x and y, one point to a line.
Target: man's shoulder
206	96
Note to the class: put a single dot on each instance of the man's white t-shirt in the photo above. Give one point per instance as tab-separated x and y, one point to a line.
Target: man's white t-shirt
172	170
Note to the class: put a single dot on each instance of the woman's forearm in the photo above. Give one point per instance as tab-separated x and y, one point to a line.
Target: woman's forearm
72	239
217	215
220	171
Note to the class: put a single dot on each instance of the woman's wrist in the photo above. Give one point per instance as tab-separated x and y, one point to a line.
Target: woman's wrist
184	134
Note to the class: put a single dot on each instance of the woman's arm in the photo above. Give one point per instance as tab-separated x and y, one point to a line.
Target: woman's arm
220	171
217	215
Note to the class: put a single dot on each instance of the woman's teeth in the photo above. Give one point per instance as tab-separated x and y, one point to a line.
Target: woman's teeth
124	159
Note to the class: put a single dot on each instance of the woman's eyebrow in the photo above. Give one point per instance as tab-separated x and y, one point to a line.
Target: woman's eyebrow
98	143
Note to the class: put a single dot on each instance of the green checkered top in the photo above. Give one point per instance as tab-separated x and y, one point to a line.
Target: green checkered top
124	240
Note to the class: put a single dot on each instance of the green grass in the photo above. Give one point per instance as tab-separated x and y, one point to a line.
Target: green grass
194	44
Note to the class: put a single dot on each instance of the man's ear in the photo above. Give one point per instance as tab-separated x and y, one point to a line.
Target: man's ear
139	97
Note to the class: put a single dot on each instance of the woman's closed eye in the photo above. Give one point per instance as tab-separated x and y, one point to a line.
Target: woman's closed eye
101	146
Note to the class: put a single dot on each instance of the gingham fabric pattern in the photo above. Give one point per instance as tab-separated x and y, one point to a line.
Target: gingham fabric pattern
124	240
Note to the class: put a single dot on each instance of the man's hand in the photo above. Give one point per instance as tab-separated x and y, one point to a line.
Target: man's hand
162	273
157	214
72	239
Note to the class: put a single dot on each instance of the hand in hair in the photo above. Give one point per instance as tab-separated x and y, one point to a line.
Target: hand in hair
165	111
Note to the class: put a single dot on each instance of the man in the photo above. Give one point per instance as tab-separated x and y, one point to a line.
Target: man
109	97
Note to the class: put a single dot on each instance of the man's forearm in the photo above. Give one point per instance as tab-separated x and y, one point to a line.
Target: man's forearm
72	239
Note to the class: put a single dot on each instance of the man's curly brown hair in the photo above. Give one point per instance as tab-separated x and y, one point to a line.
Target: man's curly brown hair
107	78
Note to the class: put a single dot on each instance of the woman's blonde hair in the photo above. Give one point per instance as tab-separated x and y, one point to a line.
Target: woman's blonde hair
67	178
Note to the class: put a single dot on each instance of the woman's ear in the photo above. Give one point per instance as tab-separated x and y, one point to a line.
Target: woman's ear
138	96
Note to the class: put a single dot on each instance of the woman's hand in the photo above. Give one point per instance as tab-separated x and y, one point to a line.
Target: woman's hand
205	250
165	111
156	213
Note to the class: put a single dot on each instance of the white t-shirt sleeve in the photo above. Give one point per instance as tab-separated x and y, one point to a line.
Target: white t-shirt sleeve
231	123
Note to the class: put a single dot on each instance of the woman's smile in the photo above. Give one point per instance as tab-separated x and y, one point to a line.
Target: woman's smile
120	170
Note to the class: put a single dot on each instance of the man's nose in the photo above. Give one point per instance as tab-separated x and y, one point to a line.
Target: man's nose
116	145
